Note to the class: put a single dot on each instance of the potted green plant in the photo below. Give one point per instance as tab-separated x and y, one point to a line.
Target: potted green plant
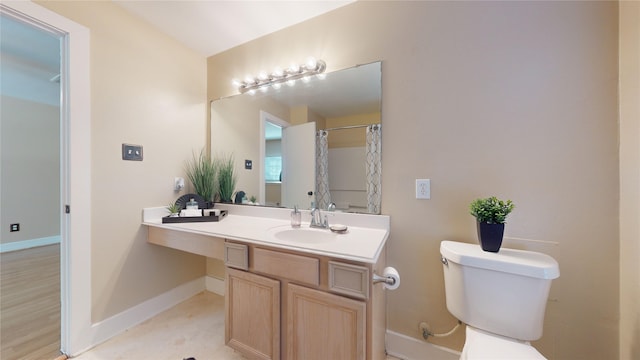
490	214
226	177
174	209
201	171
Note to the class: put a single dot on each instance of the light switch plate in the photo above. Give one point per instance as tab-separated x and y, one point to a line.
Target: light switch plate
131	152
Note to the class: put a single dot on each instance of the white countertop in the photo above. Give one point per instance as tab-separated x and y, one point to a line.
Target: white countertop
363	241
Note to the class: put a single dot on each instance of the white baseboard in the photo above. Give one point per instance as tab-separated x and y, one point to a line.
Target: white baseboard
28	244
108	328
215	285
408	348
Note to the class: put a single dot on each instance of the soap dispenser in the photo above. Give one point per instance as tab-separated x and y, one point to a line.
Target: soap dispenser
296	217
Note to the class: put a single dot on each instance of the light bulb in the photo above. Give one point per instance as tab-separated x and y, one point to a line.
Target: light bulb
236	82
249	80
277	86
322	76
263	76
278	72
291	82
294	68
252	92
312	63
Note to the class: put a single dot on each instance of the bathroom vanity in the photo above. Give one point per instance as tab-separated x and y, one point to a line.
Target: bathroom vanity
293	293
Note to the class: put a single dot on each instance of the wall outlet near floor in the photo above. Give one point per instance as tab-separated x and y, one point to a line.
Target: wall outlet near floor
14	227
423	189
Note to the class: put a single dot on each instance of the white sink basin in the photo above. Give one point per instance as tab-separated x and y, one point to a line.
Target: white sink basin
303	234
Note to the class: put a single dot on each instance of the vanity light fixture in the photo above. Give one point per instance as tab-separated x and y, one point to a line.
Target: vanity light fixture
279	76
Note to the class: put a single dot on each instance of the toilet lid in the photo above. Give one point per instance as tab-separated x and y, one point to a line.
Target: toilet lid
483	345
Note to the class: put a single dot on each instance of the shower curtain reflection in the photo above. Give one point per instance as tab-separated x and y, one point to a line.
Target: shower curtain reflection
349	175
323	196
374	171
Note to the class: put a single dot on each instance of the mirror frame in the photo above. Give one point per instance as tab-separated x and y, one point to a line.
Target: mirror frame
259	165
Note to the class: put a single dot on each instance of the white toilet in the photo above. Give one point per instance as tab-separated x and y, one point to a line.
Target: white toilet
500	296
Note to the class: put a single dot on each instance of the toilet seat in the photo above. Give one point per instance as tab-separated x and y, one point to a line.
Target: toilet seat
484	345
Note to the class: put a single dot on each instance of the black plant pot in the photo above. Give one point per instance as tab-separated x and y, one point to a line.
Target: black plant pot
490	236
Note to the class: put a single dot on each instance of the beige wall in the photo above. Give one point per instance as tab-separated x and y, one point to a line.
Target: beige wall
146	89
514	99
629	180
30	148
237	131
350	137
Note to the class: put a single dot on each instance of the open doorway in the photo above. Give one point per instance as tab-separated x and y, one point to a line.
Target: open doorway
31	184
31	189
287	162
77	332
270	193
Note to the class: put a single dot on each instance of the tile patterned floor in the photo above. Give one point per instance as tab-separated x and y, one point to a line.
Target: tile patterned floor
193	328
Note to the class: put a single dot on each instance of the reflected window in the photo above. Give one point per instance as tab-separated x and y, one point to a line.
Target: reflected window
273	168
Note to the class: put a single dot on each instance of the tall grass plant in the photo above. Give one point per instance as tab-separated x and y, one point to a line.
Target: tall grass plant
201	171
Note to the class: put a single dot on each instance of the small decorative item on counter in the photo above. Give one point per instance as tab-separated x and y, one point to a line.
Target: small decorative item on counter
339	228
490	214
191	212
186	198
174	209
211	212
240	196
203	215
296	217
192	204
192	208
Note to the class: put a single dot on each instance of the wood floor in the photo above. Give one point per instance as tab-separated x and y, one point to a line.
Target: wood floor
30	304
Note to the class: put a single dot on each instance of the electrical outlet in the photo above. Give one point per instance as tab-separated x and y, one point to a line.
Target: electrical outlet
423	189
178	184
15	227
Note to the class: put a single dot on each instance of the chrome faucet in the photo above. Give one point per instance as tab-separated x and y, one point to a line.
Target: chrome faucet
317	220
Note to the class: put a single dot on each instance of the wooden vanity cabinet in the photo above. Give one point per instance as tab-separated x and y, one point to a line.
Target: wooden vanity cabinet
290	305
322	325
252	305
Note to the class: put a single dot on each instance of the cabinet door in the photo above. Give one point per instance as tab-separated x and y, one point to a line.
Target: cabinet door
252	315
324	326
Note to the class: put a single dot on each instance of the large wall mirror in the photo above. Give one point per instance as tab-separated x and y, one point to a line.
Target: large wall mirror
315	143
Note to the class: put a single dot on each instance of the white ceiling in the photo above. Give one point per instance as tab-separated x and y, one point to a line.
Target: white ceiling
213	26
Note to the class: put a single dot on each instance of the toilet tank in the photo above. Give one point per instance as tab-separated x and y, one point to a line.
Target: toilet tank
503	293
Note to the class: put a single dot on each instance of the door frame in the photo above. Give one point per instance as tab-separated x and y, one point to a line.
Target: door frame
75	113
264	118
